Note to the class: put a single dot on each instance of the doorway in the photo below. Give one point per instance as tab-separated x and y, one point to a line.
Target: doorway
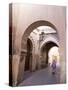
45	50
28	60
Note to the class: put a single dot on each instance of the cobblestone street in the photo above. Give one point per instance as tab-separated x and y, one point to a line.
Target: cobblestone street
41	77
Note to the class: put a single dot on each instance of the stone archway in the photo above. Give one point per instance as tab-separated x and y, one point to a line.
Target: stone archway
31	27
50	38
24	44
45	50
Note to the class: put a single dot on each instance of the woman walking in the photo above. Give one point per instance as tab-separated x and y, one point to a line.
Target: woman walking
53	67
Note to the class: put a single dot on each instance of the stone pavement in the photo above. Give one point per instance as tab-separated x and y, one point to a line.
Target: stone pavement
41	77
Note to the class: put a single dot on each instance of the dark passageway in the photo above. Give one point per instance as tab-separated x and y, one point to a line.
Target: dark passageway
45	49
29	54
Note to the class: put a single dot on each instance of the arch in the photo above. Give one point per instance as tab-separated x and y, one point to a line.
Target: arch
25	36
50	38
32	27
47	44
45	49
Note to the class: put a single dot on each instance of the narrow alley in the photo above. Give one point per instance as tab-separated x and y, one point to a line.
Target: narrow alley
41	77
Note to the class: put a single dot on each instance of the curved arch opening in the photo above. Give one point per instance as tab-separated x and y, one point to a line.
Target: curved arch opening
46	53
35	25
34	31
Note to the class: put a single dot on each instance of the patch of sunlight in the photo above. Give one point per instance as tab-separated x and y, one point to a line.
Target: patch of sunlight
54	55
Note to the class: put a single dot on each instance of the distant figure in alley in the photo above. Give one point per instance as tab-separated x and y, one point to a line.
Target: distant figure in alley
53	67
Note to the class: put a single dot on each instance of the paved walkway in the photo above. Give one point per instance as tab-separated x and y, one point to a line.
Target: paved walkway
40	77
